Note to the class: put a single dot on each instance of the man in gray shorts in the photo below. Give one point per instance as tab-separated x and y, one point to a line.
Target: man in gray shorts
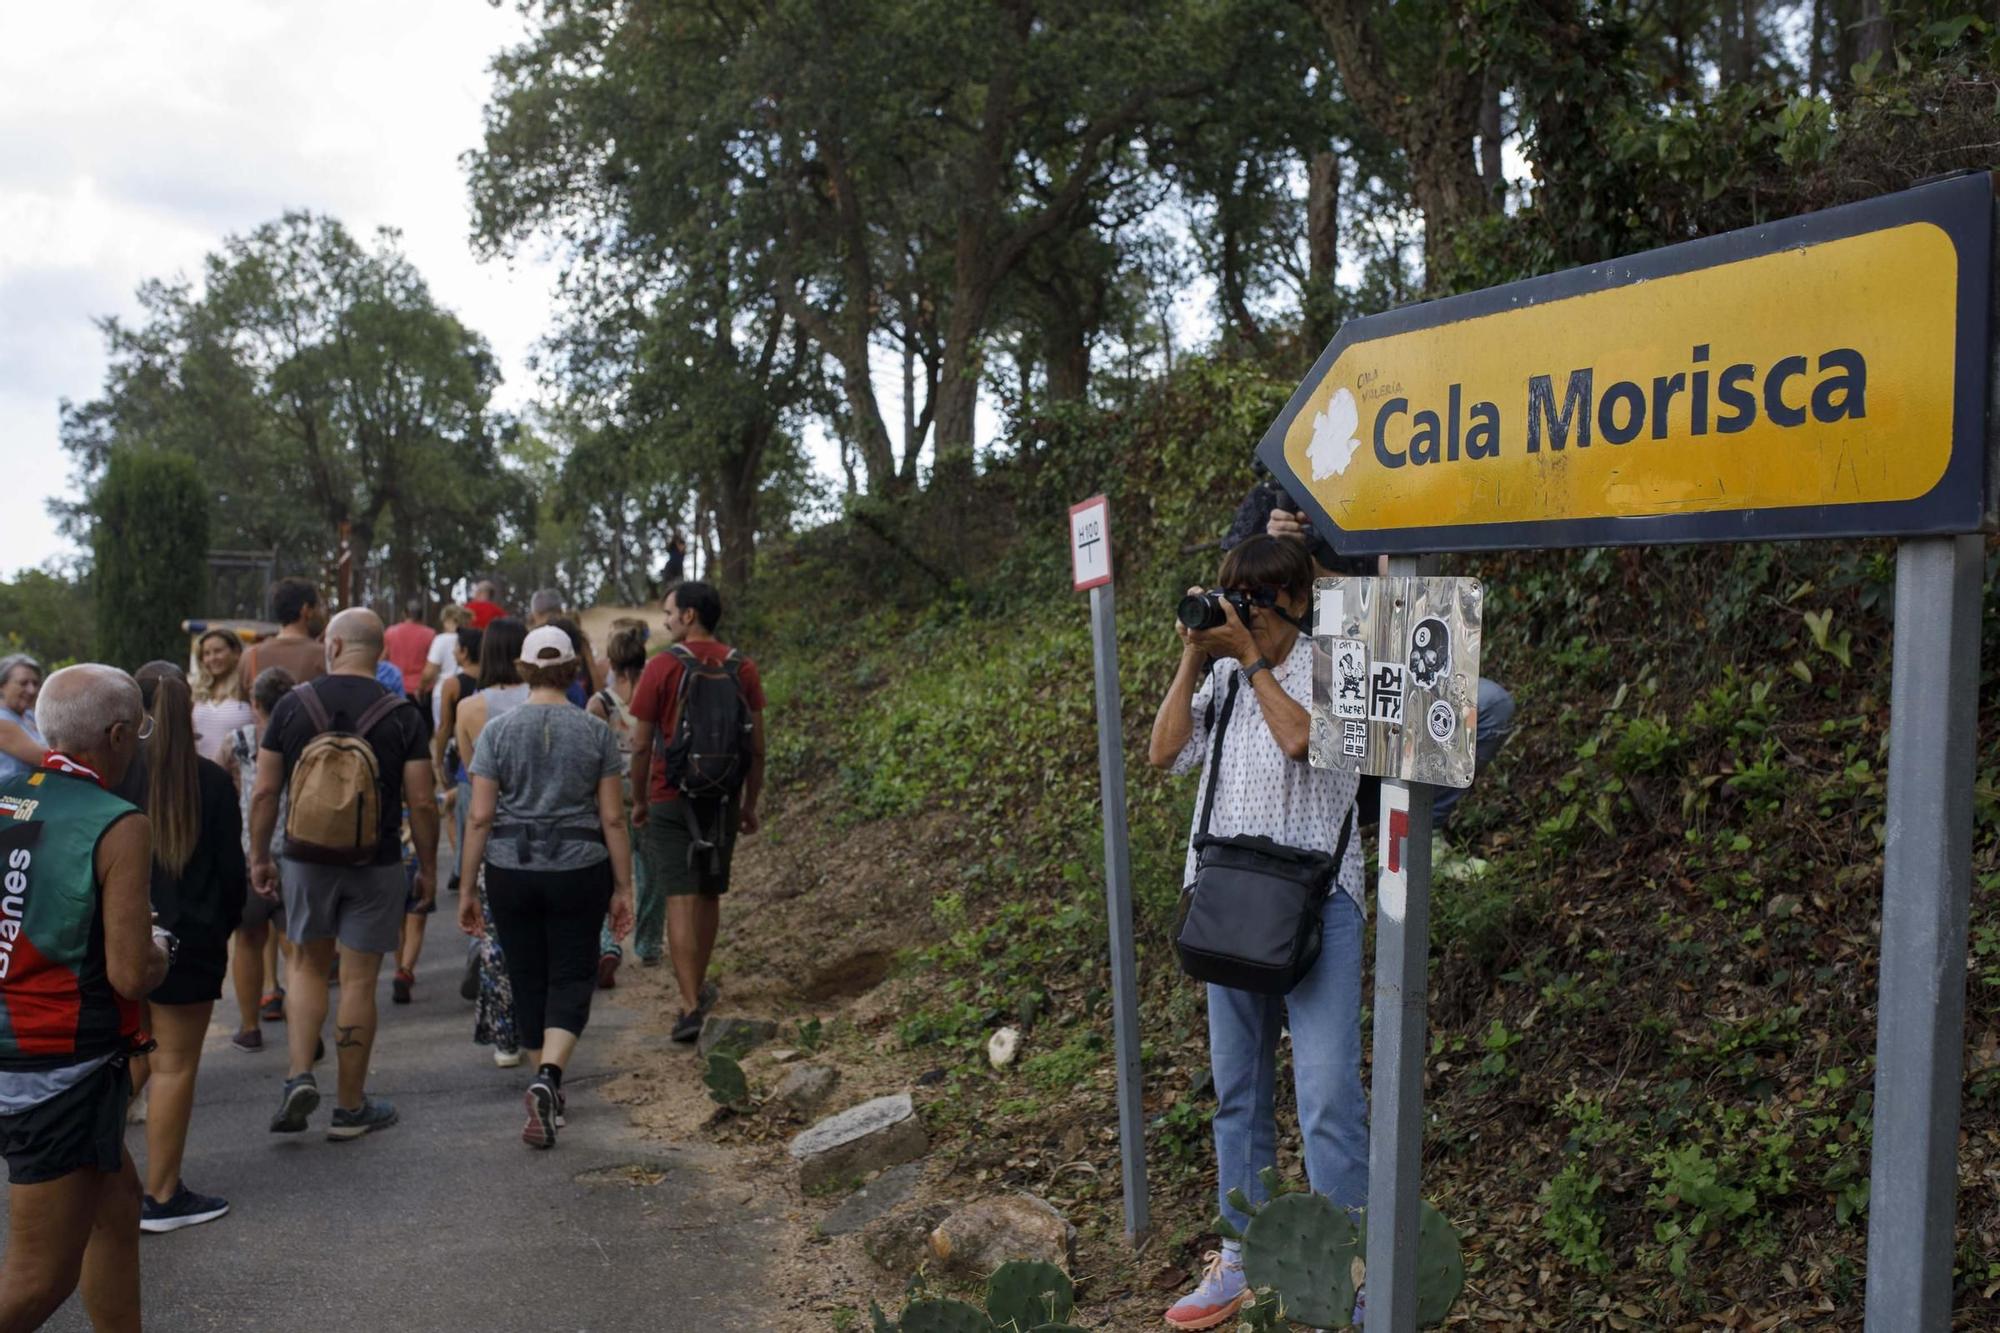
356	910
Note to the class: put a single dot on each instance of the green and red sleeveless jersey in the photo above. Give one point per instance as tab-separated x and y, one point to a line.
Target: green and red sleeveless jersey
56	1001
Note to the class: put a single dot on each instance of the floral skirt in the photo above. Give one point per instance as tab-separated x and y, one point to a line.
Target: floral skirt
493	1012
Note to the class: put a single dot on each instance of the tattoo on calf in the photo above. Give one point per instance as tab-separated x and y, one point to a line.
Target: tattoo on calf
344	1037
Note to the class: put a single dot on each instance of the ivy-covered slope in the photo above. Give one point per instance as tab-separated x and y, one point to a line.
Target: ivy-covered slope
1654	940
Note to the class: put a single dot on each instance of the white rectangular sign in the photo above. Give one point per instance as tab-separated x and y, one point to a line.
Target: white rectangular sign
1090	543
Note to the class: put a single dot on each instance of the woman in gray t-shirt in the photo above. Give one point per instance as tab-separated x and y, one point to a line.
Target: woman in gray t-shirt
548	823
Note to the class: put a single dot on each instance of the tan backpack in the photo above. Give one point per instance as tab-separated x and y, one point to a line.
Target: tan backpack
334	802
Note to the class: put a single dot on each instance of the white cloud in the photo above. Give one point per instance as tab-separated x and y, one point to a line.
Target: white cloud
133	138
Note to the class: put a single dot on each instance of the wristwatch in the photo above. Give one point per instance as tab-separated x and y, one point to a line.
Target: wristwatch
1261	664
167	940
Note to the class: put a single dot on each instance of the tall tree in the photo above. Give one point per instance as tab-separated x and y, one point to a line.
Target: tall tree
317	386
150	555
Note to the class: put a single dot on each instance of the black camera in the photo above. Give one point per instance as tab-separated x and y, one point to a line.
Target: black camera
1203	610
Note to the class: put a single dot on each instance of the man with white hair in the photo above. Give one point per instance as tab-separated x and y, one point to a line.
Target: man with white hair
78	952
543	607
350	903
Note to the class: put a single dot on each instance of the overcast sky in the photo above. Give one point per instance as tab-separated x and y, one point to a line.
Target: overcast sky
134	137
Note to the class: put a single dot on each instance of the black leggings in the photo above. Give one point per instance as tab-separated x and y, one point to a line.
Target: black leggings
548	922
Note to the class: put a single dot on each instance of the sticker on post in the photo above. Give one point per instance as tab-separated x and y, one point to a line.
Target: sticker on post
1442	721
1329	611
1430	653
1354	740
1350	679
1385	693
1393	883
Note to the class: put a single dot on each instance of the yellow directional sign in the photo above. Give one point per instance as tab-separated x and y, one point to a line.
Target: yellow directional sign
1823	376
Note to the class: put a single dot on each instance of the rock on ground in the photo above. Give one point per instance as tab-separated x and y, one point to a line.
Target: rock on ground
873	1201
979	1237
805	1088
900	1242
737	1035
848	1147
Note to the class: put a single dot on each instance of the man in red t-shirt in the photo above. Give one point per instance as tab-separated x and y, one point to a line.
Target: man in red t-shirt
482	608
407	645
688	896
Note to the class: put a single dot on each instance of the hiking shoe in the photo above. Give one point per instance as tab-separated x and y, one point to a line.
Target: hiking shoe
296	1104
399	989
468	985
273	1008
647	959
506	1059
705	998
562	1109
372	1116
607	971
1221	1294
184	1209
250	1039
542	1100
688	1026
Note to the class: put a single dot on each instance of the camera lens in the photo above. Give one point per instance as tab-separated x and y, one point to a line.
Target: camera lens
1202	610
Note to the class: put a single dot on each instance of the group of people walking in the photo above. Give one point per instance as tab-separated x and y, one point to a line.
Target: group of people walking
285	798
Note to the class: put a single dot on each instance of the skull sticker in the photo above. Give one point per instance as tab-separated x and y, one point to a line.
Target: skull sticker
1430	653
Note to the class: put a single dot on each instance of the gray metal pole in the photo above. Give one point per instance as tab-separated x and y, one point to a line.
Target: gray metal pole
1395	1137
1927	884
1118	903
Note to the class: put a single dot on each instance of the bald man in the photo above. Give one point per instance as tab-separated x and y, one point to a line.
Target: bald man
331	903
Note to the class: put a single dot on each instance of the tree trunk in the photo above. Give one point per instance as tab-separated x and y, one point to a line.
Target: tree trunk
871	432
1491	174
1066	343
736	520
958	375
1873	36
1322	243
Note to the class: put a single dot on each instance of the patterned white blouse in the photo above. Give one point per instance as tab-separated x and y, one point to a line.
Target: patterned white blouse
1264	791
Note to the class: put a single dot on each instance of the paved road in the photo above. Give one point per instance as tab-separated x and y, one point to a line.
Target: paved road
445	1221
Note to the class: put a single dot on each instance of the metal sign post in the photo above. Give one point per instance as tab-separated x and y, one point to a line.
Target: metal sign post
1824	376
1927	883
1402	985
1090	563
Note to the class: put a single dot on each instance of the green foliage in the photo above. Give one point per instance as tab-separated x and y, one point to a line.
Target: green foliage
315	383
726	1083
1027	1296
150	539
1299	1254
1573	1220
1303	1247
48	614
1021	1297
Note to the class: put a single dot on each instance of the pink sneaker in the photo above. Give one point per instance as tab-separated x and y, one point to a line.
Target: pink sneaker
1221	1294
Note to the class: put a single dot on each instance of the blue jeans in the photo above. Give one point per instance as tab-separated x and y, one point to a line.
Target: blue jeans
1496	724
1325	1018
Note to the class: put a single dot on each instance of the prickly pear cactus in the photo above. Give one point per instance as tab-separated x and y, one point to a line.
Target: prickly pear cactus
943	1317
1303	1247
1440	1267
725	1080
1023	1296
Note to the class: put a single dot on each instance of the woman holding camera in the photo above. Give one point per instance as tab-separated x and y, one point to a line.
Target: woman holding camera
1251	677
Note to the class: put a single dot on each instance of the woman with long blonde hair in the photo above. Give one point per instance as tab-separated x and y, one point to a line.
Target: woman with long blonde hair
200	878
221	696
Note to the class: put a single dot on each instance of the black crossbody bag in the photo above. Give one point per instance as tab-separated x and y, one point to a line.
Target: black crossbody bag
1251	918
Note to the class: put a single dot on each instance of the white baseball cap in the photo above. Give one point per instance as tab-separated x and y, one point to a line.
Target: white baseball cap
545	647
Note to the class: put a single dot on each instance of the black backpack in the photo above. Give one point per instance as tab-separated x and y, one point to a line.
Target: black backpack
708	754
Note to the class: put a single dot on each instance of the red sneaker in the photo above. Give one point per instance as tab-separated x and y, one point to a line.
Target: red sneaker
607	971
